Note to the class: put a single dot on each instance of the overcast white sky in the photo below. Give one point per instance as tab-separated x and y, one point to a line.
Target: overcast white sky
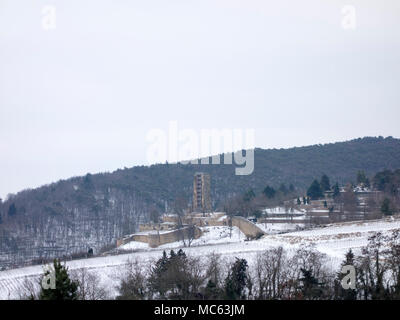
82	97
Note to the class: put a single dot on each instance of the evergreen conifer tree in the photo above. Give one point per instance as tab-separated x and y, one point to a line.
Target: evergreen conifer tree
269	192
314	191
386	207
12	210
340	292
236	281
65	288
325	184
283	189
310	287
336	190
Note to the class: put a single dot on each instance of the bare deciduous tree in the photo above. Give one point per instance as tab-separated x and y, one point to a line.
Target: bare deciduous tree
89	285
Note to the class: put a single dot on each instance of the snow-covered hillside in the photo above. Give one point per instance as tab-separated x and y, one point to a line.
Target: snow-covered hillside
333	240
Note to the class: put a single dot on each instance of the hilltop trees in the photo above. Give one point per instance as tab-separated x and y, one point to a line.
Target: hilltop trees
336	191
269	192
283	189
387	181
251	203
249	195
314	191
317	189
362	179
386	207
325	184
371	204
12	210
282	192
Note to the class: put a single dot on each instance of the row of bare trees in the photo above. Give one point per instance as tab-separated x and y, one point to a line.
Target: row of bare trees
89	286
41	231
276	274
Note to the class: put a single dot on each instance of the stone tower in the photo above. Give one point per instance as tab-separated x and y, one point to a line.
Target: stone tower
201	192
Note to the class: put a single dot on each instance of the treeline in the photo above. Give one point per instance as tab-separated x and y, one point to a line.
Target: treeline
71	220
336	198
388	182
383	189
252	203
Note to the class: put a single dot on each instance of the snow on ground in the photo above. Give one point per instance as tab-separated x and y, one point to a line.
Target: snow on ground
274	228
333	240
134	245
281	210
321	210
218	235
222	218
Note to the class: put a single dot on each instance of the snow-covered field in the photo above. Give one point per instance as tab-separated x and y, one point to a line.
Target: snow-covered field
333	240
282	211
274	228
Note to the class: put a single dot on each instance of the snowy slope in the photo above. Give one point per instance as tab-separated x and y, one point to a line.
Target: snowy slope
333	240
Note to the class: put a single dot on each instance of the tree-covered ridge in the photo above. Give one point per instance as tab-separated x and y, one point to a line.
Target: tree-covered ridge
297	166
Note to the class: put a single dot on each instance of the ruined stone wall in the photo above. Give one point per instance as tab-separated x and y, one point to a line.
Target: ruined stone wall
283	220
141	238
154	239
216	223
247	227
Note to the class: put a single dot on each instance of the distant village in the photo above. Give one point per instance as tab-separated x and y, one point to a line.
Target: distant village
336	204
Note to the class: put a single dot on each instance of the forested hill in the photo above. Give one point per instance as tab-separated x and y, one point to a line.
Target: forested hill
96	209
